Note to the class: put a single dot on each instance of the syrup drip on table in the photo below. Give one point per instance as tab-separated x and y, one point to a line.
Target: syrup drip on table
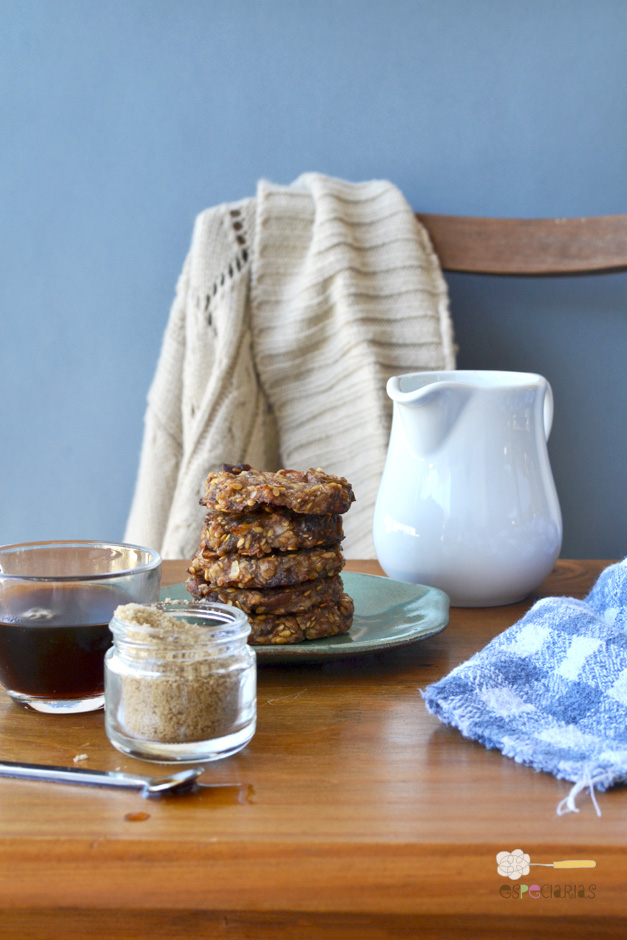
224	796
211	796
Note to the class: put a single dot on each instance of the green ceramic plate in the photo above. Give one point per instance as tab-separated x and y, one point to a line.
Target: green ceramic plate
387	614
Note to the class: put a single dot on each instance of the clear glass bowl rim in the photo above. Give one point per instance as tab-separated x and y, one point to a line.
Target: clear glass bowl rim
153	563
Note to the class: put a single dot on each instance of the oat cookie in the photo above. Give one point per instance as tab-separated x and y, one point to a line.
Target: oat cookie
313	624
269	571
268	529
284	600
238	488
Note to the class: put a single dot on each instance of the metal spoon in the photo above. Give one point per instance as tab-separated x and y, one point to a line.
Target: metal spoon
181	782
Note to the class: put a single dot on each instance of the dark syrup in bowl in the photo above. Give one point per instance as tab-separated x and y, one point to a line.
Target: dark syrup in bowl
53	639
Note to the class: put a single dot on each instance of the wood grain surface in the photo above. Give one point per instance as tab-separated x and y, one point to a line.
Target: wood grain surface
352	813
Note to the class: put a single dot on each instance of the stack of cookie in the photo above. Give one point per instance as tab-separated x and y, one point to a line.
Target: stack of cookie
271	546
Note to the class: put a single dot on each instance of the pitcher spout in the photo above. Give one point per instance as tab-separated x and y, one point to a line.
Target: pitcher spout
426	413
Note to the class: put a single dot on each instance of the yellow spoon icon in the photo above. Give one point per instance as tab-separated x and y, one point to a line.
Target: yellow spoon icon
569	863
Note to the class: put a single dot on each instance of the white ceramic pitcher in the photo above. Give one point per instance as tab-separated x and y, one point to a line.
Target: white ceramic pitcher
467	501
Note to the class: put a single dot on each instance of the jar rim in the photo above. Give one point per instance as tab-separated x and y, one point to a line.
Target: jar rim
222	622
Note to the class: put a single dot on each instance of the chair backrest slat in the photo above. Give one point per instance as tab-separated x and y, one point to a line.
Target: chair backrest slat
529	246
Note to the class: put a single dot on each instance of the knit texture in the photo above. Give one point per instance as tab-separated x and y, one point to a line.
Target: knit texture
292	311
551	691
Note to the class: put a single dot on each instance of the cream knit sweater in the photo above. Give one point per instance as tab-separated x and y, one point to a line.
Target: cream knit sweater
292	311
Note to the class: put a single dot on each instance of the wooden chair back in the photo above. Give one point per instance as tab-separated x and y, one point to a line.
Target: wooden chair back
591	245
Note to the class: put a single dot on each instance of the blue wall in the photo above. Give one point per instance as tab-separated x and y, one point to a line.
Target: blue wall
122	119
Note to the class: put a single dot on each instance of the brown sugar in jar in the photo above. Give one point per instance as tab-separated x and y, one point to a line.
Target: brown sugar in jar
180	681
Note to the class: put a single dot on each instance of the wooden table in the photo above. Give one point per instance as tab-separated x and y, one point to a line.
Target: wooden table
359	815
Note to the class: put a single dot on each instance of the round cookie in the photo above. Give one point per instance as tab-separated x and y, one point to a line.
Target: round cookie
268	529
286	600
313	624
269	571
240	488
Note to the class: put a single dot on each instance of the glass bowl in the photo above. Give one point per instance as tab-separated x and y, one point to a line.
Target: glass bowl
56	601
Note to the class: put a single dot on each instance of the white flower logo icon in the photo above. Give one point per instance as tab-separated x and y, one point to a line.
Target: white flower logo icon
513	864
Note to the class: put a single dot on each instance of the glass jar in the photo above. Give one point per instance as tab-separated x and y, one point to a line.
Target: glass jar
180	681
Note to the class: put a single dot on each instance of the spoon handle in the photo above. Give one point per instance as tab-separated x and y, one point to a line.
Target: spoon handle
103	778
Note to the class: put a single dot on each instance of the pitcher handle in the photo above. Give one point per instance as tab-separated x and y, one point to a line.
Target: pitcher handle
548	410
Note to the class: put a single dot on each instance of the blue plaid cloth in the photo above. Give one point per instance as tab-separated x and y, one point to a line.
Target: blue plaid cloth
551	691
